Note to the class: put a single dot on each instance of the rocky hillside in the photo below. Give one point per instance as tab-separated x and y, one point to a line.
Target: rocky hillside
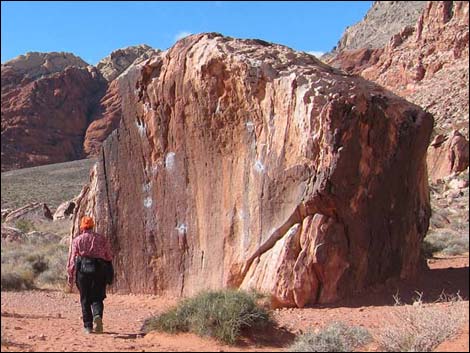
47	105
251	165
26	68
428	64
57	108
382	21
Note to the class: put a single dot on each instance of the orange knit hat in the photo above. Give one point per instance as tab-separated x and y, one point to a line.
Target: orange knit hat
86	223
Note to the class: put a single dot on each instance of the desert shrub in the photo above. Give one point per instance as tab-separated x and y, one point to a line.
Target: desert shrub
33	264
57	263
446	243
15	278
220	314
336	337
422	327
24	225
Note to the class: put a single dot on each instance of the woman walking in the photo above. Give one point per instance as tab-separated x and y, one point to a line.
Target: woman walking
89	265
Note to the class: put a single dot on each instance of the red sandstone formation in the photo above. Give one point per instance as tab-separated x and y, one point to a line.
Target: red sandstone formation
447	155
240	163
44	118
426	64
108	113
56	108
106	119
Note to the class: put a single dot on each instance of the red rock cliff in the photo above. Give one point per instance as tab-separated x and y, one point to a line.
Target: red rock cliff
46	111
427	64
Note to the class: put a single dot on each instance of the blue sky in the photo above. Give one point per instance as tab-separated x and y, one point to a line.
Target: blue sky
93	29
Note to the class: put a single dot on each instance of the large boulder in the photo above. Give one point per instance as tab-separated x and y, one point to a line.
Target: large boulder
35	211
65	210
108	113
240	163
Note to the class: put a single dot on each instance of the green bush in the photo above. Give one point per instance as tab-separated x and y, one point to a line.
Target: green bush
220	314
336	337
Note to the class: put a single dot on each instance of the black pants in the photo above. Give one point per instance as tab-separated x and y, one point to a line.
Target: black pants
92	289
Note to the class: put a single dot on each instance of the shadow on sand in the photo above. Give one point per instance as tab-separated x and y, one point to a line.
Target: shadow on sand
433	284
270	336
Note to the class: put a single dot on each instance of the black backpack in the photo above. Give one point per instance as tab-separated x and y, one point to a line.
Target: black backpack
90	265
87	265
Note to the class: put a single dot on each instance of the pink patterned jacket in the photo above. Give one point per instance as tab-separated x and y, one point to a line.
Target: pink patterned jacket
89	244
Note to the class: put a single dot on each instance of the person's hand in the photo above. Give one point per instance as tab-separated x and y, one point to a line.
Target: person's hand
69	282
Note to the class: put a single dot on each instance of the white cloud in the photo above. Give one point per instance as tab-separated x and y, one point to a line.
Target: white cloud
181	35
316	53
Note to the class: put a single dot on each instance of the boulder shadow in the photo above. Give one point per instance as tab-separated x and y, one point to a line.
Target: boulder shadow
268	336
432	285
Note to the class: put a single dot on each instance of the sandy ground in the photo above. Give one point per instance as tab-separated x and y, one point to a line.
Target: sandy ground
51	320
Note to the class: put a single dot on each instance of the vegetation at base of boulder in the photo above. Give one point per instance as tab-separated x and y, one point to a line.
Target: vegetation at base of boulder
220	314
33	264
336	337
446	243
421	327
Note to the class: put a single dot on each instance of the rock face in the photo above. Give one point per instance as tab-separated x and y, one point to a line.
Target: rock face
108	114
57	108
427	63
106	118
119	60
240	163
46	111
447	155
26	68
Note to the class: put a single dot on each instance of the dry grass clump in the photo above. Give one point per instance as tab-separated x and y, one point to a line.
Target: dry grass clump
337	337
422	327
34	263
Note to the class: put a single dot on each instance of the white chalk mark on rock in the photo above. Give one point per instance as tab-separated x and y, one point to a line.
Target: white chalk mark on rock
148	202
259	167
170	160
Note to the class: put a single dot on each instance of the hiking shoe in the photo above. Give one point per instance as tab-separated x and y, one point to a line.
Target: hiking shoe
87	330
98	324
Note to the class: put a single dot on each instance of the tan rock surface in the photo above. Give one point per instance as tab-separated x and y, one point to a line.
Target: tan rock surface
119	60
